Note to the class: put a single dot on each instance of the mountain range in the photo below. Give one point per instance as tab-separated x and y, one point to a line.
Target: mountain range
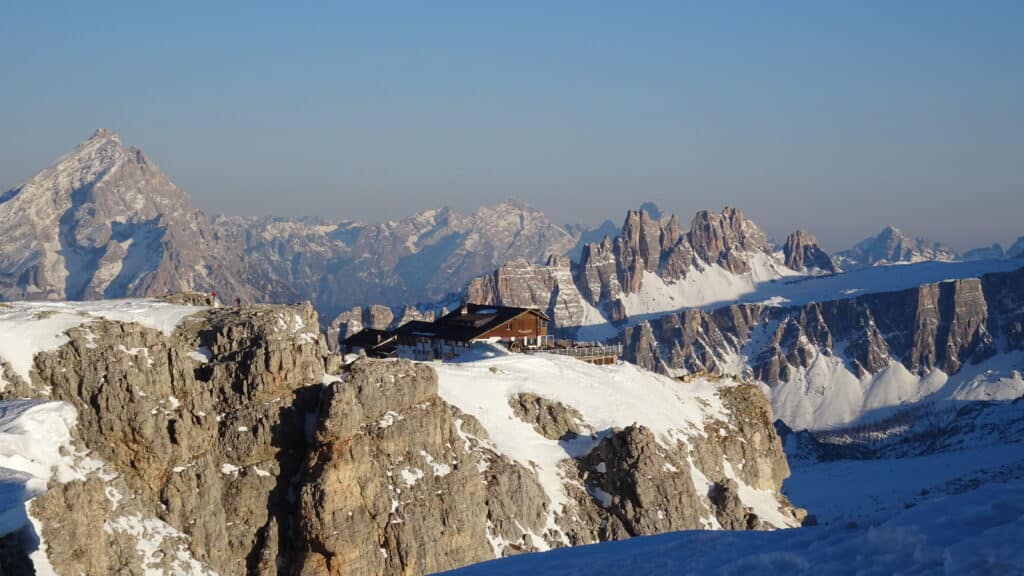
104	222
871	397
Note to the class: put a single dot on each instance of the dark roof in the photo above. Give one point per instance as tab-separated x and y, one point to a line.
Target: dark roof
467	322
368	338
416	327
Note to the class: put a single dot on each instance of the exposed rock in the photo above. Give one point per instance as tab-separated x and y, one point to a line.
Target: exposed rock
599	272
836	351
385	449
802	252
729	509
644	486
411	313
723	238
205	444
551	419
941	325
748	442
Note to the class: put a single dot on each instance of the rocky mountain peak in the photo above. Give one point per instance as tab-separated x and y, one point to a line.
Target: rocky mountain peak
102	221
801	251
892	245
718	238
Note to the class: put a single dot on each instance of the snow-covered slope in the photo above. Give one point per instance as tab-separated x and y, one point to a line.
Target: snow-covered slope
840	396
32	435
705	286
607	398
977	532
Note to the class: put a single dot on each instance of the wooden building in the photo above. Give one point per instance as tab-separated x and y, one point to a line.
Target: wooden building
456	332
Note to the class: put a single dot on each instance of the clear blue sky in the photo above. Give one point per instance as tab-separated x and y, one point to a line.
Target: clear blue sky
840	117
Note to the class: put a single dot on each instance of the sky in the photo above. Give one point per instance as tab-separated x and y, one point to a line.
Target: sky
837	117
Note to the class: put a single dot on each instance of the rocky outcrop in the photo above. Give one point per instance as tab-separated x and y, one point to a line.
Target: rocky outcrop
375	317
802	252
646	487
200	427
724	238
239	445
359	318
385	450
551	419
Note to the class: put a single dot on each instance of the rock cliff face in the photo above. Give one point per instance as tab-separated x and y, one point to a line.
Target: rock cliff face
238	444
197	429
944	327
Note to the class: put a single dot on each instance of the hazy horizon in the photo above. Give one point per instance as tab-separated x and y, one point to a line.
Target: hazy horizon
839	119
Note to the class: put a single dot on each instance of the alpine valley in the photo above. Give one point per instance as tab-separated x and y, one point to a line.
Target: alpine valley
776	409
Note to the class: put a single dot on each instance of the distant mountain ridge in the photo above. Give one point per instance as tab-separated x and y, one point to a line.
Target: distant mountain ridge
893	246
105	222
652	266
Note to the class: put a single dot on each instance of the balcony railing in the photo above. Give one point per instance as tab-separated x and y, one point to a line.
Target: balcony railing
613	351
